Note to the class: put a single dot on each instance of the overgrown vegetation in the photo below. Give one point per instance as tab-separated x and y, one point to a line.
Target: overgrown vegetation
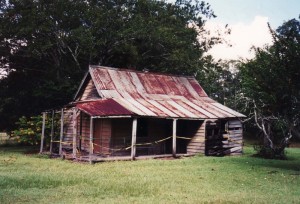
270	90
29	129
242	179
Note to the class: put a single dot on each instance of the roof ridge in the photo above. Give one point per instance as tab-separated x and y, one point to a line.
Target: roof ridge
139	71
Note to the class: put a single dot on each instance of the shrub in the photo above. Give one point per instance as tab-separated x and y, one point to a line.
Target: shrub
29	130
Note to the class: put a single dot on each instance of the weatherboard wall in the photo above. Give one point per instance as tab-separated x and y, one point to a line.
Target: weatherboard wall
197	143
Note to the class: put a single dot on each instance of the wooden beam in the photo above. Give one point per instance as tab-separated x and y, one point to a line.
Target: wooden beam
52	132
61	131
121	116
43	133
91	138
74	134
174	137
133	139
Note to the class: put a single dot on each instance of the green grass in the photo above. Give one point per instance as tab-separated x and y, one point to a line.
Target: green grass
240	179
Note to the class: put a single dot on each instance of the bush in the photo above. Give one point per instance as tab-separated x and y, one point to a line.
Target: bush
269	153
29	130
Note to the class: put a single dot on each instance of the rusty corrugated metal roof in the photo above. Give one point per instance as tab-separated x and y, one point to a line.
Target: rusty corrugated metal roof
103	107
153	94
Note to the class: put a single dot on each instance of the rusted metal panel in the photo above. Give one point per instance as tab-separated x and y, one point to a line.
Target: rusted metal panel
162	80
173	109
183	110
154	108
196	86
110	94
128	84
96	78
165	110
197	111
189	87
209	109
169	81
143	108
150	83
220	106
183	90
138	84
129	106
226	114
104	107
156	95
201	110
120	87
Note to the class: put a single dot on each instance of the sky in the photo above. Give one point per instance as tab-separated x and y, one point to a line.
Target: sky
248	20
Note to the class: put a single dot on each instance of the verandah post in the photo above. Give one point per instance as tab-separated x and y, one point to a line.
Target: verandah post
80	131
74	133
61	131
133	140
52	132
43	133
174	137
91	138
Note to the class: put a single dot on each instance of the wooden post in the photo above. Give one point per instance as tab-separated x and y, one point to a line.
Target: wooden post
52	132
80	131
91	138
61	131
43	133
133	140
174	137
74	134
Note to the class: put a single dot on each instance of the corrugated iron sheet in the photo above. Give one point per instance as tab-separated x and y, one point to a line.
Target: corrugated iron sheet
103	107
126	92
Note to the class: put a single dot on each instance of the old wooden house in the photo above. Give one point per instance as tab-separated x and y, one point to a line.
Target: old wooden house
128	114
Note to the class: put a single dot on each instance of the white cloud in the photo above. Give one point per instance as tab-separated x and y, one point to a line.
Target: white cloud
242	38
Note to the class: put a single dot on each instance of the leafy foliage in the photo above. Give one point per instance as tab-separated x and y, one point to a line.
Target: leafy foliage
46	46
29	129
220	80
270	88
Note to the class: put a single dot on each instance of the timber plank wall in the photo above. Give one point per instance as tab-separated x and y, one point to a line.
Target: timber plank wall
90	92
197	143
223	137
67	129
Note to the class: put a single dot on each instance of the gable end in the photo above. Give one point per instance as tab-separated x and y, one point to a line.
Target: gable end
87	91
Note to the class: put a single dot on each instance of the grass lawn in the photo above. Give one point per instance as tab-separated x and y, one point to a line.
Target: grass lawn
239	179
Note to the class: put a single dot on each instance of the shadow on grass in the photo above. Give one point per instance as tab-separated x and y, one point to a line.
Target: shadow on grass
34	181
31	151
249	161
283	164
291	163
18	149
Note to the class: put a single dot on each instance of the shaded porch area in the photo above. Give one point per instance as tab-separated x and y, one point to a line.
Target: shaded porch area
127	138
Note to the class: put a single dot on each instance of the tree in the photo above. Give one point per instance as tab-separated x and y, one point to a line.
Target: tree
46	46
270	88
220	80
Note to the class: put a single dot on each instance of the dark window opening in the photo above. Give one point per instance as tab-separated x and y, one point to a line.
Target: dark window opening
142	127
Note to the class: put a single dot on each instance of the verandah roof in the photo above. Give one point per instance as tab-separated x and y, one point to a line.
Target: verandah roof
103	107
